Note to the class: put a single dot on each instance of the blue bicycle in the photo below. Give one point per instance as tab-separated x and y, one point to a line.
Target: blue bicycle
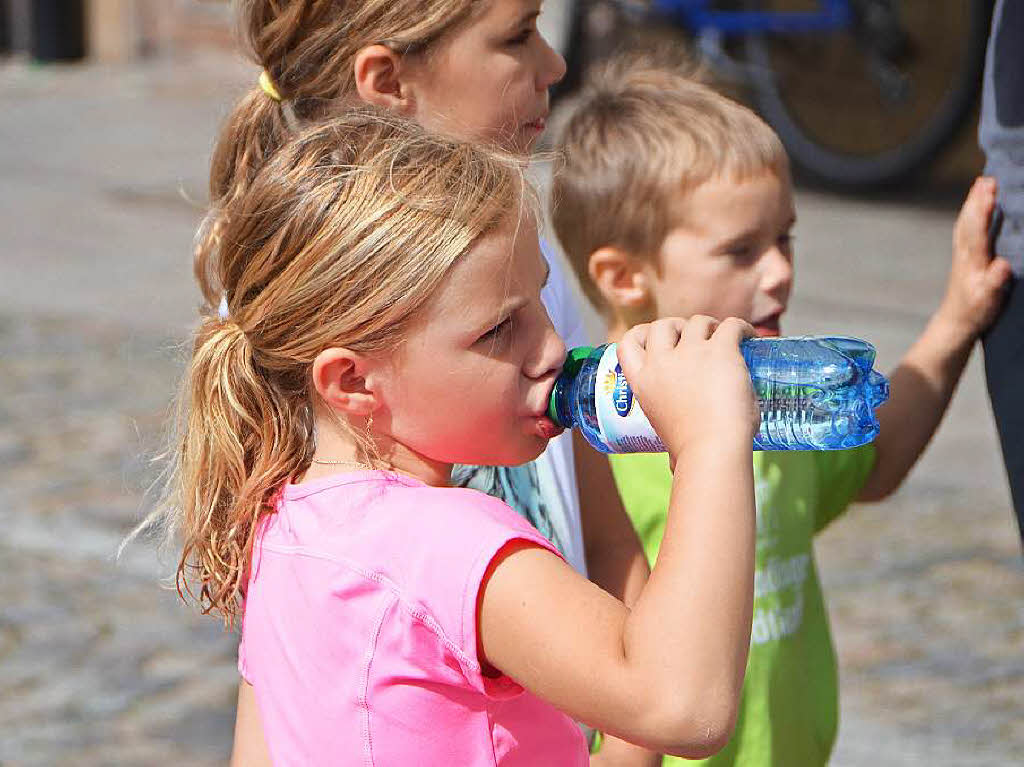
863	93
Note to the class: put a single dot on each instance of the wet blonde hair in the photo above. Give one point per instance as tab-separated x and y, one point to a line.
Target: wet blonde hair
339	239
308	49
640	135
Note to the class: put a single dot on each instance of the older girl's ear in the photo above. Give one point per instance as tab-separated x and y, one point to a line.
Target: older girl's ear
377	70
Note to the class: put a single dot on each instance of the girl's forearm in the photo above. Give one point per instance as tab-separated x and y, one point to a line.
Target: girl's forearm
688	635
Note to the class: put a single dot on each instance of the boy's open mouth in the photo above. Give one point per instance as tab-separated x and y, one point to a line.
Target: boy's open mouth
769	327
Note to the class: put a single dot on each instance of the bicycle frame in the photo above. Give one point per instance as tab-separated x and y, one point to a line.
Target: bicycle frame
699	15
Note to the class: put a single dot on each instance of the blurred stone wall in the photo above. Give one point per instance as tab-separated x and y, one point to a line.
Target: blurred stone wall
124	30
121	30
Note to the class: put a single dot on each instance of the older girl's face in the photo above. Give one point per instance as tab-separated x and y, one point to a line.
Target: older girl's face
488	80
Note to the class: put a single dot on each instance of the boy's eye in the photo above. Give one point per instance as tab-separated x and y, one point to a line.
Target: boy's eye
520	38
742	253
786	241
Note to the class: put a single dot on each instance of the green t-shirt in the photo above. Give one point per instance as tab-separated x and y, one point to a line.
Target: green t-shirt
790	707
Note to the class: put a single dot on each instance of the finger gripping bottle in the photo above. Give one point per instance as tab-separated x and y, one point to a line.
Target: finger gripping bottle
814	393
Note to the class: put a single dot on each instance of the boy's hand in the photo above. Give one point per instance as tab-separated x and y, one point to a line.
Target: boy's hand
691	381
976	280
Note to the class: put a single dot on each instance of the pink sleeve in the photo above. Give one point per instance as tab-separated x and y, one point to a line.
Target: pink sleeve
502	527
243	669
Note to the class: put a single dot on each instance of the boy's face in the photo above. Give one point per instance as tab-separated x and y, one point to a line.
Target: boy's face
731	254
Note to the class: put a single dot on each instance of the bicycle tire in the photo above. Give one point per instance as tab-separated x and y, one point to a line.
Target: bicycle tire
845	170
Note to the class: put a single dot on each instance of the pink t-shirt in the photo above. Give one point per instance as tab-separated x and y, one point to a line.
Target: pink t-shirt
360	631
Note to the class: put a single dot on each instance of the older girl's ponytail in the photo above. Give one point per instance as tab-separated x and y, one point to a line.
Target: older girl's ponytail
254	130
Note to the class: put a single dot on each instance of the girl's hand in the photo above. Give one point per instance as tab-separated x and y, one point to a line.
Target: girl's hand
976	280
691	381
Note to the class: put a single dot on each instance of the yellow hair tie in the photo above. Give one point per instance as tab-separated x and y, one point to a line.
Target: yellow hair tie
268	86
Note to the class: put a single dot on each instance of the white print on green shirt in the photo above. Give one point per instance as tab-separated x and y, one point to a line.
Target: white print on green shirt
778	581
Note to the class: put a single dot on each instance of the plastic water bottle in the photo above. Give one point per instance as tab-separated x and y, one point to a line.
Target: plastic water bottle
814	393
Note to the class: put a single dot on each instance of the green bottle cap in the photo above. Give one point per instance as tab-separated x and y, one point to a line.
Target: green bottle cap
573	362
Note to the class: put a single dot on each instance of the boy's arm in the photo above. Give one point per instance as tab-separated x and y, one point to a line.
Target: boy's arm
615	562
923	383
615	558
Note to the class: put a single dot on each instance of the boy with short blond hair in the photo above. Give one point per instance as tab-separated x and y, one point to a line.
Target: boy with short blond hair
673	200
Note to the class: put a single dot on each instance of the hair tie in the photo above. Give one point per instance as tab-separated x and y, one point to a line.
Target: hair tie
222	310
268	86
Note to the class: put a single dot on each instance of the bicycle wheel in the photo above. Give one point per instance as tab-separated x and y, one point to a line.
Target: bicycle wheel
863	107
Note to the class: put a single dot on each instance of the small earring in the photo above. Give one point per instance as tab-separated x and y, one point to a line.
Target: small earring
369	423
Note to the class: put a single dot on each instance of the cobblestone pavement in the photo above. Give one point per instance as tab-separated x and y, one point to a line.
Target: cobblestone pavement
99	662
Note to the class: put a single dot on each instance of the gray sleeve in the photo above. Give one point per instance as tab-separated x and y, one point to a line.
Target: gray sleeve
1001	133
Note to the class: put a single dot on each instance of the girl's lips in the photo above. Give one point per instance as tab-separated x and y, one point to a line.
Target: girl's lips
545	427
537	125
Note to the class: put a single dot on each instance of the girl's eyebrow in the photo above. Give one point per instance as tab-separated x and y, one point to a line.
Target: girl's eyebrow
515	303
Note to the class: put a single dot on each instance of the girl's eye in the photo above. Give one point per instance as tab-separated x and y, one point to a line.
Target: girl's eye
786	241
497	330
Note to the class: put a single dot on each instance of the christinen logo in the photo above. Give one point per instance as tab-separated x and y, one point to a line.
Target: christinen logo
622	395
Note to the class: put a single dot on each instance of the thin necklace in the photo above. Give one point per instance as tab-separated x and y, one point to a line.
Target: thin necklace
341	463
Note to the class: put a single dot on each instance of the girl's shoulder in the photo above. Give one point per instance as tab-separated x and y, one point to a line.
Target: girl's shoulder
345	501
395	526
428	547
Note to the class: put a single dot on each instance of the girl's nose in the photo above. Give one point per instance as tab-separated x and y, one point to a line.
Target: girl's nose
550	351
553	69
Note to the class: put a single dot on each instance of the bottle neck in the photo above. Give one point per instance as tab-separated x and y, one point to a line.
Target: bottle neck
559	406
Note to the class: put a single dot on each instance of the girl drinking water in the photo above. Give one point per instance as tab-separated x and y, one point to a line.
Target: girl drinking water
382	321
479	70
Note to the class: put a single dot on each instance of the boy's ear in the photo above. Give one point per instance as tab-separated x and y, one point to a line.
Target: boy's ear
376	69
341	378
619	277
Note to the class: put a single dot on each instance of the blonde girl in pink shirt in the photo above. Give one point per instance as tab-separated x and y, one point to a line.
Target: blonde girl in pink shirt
478	70
381	322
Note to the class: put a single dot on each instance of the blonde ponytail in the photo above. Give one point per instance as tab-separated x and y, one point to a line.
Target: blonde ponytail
245	437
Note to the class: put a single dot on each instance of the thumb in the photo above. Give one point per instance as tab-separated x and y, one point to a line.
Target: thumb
631	350
999	272
971	232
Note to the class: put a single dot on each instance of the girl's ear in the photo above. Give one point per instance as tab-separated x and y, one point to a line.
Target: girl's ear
340	377
376	70
619	277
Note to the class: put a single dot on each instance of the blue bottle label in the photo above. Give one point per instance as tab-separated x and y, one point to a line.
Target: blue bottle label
624	427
